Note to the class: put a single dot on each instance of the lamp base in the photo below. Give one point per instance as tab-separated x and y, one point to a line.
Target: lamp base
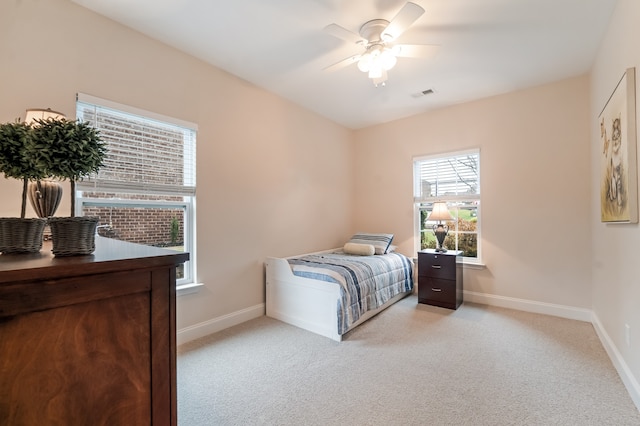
440	232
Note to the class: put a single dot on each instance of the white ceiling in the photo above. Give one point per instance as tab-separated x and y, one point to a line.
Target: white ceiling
487	47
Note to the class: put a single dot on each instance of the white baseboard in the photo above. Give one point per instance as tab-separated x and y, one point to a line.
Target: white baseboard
562	311
214	325
568	312
630	382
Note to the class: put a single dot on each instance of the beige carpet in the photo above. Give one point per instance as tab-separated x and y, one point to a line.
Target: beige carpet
411	365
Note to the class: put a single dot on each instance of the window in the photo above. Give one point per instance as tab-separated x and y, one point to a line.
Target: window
145	191
455	179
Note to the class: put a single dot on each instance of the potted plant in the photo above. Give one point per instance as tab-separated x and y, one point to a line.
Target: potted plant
19	235
69	149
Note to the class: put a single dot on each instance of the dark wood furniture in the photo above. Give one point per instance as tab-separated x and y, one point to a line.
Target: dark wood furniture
89	340
440	278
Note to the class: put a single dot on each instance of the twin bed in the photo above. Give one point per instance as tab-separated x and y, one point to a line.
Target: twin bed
331	292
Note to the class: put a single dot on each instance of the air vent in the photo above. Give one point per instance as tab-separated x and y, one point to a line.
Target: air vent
423	93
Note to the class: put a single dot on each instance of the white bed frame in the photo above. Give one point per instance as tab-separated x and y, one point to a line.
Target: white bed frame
307	303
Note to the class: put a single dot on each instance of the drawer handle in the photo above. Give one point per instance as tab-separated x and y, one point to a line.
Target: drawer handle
436	266
436	289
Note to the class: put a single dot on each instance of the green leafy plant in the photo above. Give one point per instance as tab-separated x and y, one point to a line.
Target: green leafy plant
67	149
467	241
175	230
16	156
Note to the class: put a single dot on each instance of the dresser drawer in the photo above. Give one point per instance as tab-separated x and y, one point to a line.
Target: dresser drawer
436	290
437	265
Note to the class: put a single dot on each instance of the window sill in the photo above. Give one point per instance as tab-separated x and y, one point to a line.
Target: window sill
474	265
190	288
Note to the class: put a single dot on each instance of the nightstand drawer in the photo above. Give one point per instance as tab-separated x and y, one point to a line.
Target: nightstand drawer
436	290
437	266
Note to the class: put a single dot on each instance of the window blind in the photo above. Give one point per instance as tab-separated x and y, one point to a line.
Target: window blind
452	176
147	152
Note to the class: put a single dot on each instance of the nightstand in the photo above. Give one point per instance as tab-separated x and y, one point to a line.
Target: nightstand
440	278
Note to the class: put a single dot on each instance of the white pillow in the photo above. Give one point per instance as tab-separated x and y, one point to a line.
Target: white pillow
359	249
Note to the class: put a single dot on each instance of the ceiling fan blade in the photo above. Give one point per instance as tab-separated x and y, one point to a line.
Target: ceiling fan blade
416	50
344	34
343	63
409	13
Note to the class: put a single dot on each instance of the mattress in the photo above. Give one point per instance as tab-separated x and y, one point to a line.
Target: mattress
366	282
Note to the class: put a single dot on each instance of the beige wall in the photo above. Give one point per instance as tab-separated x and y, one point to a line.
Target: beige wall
273	179
615	266
535	192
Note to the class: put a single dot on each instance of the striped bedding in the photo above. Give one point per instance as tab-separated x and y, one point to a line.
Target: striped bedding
367	282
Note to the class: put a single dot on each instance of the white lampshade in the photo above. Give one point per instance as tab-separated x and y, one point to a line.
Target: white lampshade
43	114
440	212
387	59
365	62
375	71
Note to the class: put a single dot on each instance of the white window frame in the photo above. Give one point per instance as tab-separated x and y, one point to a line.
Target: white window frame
419	199
188	202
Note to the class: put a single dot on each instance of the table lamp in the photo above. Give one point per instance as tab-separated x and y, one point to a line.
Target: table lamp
440	212
42	114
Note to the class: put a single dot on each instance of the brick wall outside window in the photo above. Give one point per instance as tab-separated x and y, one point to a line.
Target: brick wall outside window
139	225
142	225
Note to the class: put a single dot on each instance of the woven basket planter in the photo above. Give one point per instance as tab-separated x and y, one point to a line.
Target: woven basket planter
21	235
73	236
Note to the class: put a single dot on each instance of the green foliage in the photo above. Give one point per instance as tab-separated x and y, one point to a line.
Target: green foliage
428	240
175	230
67	149
467	241
467	214
16	145
16	156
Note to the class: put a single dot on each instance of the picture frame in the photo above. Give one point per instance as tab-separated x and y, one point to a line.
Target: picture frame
618	171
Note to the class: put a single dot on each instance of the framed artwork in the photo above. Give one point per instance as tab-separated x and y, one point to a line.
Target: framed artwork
618	171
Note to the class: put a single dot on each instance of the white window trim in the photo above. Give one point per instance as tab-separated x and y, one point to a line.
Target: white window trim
466	260
189	231
189	288
470	262
82	97
188	283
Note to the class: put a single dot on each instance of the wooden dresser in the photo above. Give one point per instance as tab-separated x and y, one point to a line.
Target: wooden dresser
89	340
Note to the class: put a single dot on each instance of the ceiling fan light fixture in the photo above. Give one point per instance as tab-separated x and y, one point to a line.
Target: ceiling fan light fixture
387	59
377	36
376	60
375	71
364	64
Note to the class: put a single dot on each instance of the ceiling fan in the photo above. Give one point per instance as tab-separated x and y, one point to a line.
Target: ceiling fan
377	37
